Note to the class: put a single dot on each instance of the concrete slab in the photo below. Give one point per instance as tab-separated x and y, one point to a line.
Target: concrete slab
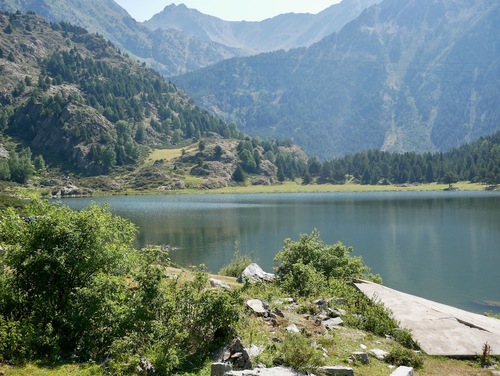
438	328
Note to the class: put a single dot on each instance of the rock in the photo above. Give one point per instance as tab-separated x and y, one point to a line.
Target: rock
378	353
219	369
70	190
331	323
403	371
284	301
216	283
337	371
235	354
276	371
254	350
322	303
257	306
361	357
145	366
254	273
292	329
278	312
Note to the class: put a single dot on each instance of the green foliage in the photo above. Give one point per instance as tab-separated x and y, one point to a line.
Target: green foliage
71	284
18	167
299	354
302	280
476	162
400	356
236	266
331	261
238	174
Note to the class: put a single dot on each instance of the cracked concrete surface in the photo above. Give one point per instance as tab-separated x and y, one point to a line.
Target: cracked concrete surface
438	328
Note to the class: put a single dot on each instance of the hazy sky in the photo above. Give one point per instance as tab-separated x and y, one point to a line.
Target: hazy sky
229	10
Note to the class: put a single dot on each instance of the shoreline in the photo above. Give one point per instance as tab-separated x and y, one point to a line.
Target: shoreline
296	187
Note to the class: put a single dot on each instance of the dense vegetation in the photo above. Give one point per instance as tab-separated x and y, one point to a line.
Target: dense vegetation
72	286
476	162
87	109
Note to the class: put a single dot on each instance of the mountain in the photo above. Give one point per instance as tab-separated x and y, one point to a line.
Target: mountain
171	52
72	102
73	98
285	31
404	76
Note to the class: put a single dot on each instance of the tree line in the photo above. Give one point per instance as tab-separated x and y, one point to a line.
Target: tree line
475	162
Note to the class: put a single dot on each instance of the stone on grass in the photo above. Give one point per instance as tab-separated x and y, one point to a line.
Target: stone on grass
275	371
257	306
361	357
254	273
378	353
337	371
331	323
216	283
292	329
403	371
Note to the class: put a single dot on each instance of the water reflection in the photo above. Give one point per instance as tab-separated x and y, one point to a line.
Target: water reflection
442	246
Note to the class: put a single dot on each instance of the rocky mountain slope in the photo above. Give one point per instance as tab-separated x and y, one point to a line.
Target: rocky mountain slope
171	52
74	102
285	31
404	76
180	40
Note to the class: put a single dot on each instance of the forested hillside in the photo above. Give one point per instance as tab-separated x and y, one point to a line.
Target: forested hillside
417	76
72	101
475	162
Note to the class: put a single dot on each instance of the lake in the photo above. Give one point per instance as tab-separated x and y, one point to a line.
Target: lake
443	246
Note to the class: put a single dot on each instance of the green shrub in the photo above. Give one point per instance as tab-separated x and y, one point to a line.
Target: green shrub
71	285
400	356
236	265
302	280
299	353
332	261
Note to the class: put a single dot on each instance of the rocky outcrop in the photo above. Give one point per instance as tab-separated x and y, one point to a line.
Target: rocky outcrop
70	190
254	273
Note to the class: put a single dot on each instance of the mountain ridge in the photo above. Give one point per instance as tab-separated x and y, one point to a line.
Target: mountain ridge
285	31
388	80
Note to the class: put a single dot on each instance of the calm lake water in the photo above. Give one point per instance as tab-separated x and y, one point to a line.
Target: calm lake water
443	246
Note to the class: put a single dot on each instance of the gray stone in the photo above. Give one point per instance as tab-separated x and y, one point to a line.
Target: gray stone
284	301
278	312
331	323
292	329
236	354
219	369
361	357
254	273
378	353
276	371
439	329
216	283
337	371
403	371
257	306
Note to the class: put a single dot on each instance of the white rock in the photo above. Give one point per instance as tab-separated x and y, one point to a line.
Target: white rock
403	371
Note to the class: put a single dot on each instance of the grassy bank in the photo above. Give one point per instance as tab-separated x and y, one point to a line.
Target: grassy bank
297	187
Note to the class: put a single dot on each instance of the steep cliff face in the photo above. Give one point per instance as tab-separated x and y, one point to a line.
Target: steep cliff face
403	76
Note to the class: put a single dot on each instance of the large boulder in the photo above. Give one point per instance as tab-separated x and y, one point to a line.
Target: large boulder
234	354
254	273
